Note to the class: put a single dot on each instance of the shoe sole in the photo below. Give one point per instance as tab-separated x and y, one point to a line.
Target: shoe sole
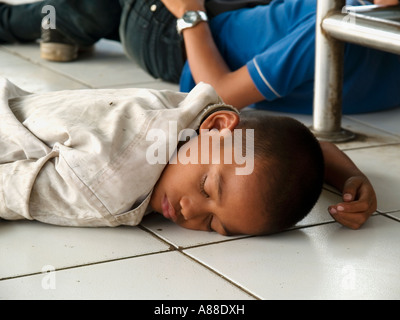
58	52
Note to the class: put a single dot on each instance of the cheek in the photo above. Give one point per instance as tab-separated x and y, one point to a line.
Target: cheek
191	225
176	180
176	174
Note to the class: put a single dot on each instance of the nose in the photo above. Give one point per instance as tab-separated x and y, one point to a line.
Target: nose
191	208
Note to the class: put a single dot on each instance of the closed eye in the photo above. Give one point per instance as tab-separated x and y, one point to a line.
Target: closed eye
202	183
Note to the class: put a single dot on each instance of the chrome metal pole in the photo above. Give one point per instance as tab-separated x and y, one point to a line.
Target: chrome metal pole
329	52
364	32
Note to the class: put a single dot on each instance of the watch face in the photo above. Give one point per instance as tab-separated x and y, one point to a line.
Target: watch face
190	16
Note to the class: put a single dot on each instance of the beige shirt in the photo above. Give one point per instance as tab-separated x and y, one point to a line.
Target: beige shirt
78	157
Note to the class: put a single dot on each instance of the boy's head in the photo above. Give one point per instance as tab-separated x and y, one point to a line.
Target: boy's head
209	195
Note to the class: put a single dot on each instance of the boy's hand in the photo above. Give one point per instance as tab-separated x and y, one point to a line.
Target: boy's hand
359	203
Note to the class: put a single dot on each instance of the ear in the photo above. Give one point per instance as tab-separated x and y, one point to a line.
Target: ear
221	120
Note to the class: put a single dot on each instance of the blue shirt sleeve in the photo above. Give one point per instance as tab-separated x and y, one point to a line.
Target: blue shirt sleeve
186	82
285	65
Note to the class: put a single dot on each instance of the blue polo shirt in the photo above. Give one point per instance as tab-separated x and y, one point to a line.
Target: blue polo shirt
277	44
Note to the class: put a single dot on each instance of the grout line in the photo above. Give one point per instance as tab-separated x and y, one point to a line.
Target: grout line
372	126
182	249
40	65
87	264
171	248
232	282
67	76
387	215
387	144
156	235
388	212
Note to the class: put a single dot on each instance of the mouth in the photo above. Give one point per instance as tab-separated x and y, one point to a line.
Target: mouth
168	210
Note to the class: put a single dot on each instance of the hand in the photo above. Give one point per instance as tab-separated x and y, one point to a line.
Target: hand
179	7
359	203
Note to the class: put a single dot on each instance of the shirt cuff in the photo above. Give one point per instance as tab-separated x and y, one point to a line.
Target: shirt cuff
261	81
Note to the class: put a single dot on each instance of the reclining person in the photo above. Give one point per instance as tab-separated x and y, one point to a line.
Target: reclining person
107	157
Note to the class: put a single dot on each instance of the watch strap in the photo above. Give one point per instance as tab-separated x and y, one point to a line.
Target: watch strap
183	23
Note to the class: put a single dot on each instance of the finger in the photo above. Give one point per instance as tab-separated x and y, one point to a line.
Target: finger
354	207
348	197
365	202
350	189
367	206
352	220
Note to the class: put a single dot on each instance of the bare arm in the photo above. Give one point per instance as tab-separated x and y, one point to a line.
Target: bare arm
207	64
386	2
359	199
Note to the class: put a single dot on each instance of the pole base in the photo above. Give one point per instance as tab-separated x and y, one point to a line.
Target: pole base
338	136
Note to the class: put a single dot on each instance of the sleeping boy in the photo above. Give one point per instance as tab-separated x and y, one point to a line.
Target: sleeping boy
100	158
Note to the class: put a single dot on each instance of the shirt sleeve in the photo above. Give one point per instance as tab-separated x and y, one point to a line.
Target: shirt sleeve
285	65
47	190
186	82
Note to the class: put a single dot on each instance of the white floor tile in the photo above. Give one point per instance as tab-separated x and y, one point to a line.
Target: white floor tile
384	120
366	136
161	276
323	262
106	66
382	167
319	214
27	246
32	77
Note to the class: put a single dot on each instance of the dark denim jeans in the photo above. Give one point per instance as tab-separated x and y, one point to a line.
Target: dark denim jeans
148	34
145	28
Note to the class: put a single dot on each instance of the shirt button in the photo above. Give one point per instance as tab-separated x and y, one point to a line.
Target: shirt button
153	7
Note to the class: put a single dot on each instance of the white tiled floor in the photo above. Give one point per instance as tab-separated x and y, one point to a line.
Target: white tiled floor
158	260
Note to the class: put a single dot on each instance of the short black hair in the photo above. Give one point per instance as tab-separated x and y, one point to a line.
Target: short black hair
289	162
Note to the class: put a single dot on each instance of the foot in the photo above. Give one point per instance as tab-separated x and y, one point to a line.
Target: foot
54	46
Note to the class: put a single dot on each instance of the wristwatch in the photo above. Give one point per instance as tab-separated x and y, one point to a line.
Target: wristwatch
190	19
